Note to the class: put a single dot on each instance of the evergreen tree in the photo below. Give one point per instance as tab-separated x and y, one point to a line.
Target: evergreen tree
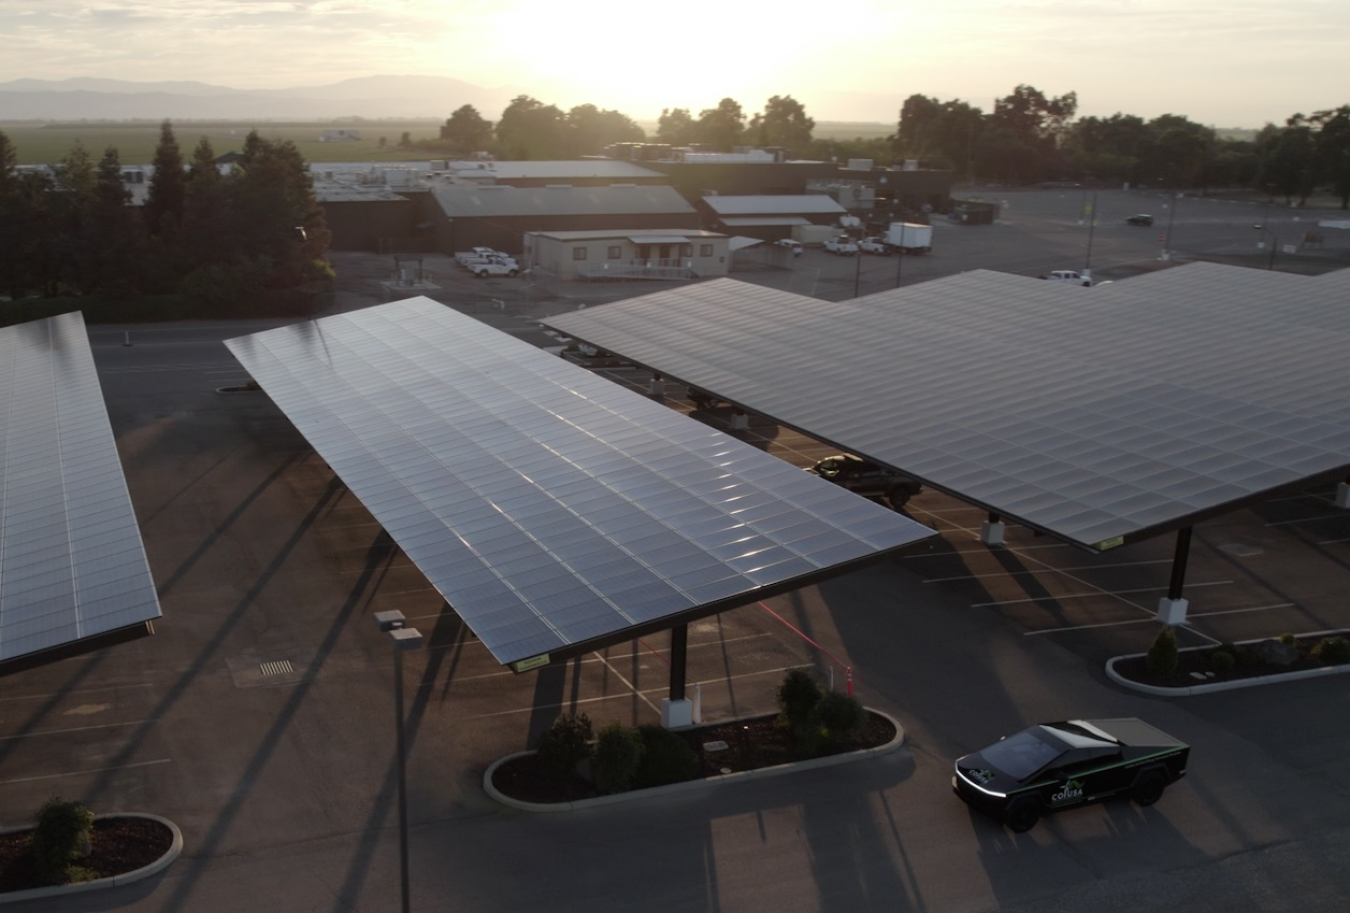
168	187
110	244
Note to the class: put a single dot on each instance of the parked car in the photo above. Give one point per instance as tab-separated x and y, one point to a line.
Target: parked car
1072	277
795	247
874	246
1140	219
843	246
704	400
867	479
1058	765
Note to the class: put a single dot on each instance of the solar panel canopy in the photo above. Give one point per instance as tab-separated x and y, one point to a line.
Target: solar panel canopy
72	562
1097	415
552	509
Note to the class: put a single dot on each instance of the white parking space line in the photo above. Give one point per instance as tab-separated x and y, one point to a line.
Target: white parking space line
64	694
625	696
1333	541
1100	624
1058	596
33	735
1259	608
1056	570
631	687
594	658
80	773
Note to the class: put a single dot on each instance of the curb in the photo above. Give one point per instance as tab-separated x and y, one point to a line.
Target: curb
692	785
112	881
1253	681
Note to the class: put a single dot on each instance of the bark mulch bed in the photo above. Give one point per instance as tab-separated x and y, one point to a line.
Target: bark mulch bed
1193	667
120	845
751	744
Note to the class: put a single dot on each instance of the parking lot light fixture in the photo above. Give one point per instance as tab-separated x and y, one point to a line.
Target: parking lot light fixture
402	638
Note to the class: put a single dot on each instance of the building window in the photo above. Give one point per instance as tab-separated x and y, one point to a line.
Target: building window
705	250
686	250
615	252
578	253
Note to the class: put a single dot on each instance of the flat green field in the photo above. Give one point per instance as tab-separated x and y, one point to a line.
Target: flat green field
47	143
38	144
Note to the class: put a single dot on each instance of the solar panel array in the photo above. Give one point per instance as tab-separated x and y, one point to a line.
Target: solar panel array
550	507
1098	415
72	563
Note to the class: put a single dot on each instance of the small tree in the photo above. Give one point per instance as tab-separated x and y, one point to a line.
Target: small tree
567	743
618	754
797	697
1334	650
838	717
1162	654
666	758
62	836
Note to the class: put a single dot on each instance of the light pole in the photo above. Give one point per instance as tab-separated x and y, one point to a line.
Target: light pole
1274	243
1171	216
1092	224
402	639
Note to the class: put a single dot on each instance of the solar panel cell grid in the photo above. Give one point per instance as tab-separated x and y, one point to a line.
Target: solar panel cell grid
580	503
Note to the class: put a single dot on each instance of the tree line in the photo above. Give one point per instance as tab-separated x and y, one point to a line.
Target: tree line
1027	138
223	239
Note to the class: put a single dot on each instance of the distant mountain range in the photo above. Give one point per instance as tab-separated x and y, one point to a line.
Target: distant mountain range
366	97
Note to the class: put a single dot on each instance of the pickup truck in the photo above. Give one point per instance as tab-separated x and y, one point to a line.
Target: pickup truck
493	266
874	246
463	258
1073	277
843	246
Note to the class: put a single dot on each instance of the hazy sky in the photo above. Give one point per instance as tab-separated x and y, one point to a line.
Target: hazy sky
1232	63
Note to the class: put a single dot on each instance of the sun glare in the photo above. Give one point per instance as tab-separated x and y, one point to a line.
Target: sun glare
641	60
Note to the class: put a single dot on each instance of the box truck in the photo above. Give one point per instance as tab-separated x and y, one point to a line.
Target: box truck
910	237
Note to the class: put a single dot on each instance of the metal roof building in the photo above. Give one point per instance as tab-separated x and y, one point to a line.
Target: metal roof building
498	216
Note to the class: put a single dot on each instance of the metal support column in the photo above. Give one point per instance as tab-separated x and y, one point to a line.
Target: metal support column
1172	607
991	530
676	710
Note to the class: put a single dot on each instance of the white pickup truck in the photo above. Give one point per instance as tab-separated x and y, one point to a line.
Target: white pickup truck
1073	277
843	245
493	266
874	246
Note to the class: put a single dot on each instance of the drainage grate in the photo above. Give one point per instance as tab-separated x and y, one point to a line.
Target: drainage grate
276	667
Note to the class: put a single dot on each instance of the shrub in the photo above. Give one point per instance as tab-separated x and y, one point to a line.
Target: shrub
666	758
567	743
618	753
1162	654
1335	650
838	718
1287	639
797	698
1221	661
61	836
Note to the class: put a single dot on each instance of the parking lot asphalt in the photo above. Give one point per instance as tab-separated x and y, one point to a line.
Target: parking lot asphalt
259	715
